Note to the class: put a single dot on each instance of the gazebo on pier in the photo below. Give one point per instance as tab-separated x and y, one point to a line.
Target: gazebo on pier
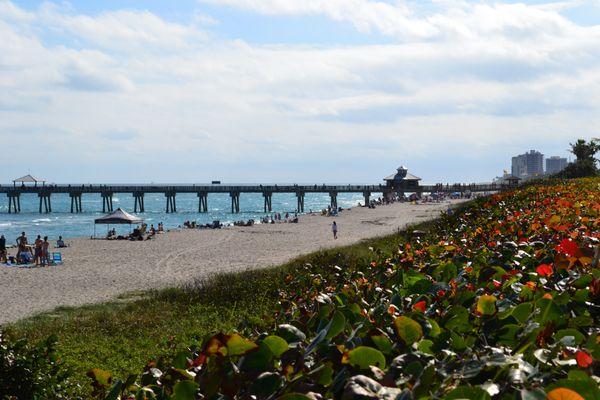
402	180
28	179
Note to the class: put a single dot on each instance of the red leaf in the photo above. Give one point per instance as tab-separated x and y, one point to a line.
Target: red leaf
568	247
545	270
584	360
420	306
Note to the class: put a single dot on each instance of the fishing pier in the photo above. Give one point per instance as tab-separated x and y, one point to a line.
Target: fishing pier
397	184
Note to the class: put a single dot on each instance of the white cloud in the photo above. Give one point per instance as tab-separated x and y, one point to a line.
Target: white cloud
468	81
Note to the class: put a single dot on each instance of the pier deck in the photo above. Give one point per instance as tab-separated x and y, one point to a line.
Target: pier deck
75	192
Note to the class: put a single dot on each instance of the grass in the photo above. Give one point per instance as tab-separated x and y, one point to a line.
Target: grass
123	335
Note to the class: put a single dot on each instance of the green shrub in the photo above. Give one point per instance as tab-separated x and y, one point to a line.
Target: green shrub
30	371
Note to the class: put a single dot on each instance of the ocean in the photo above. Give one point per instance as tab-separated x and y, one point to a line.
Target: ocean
62	222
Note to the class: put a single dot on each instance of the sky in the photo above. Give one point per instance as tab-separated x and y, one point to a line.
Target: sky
295	91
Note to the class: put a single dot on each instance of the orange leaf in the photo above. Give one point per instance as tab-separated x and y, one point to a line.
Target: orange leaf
563	394
420	306
584	360
544	270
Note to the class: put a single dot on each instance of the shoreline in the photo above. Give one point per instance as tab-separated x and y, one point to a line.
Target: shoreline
96	271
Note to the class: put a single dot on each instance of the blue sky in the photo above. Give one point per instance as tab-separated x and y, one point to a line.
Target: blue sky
288	91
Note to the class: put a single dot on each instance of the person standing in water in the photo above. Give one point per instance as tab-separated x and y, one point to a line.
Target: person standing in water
334	229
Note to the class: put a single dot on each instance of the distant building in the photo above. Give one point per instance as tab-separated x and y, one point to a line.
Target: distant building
402	180
528	165
555	164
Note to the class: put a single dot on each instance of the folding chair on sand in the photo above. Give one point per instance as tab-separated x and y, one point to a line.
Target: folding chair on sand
56	258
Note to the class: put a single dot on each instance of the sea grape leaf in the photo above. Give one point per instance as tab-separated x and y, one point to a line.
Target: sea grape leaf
382	342
100	378
522	312
266	384
258	360
548	311
185	390
363	357
587	390
457	319
237	345
578	336
408	329
468	392
563	394
290	333
338	322
486	305
276	344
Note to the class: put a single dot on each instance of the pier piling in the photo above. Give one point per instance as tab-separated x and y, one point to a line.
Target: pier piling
235	202
107	202
202	202
45	201
171	203
76	202
138	202
300	198
268	201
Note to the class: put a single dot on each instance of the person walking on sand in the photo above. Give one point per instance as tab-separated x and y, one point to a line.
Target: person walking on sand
334	229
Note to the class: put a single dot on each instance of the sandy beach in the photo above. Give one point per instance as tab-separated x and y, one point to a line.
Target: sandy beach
99	270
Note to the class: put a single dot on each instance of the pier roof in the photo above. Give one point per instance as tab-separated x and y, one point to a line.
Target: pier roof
28	179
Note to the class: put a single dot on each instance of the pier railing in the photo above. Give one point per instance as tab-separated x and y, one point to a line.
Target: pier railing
75	192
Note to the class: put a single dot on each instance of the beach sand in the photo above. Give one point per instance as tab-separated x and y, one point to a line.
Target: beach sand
99	270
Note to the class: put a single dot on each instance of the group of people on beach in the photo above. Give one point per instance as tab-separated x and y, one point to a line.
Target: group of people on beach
37	253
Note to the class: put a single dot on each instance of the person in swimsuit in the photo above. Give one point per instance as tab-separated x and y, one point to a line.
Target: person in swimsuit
45	253
37	255
21	244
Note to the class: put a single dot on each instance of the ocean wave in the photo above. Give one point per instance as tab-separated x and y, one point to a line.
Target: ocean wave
41	220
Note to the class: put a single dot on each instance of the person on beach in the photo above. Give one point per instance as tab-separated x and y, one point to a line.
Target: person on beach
2	248
21	245
60	243
37	255
334	229
45	253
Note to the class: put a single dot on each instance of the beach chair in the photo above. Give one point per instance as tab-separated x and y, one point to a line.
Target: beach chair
56	258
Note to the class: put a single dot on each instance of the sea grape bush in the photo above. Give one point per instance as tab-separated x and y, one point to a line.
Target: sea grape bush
31	371
500	300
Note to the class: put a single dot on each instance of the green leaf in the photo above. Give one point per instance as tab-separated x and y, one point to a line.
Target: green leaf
185	390
408	329
579	337
259	360
468	392
424	346
486	305
290	333
522	312
363	357
237	345
457	319
338	322
548	311
276	344
325	377
294	396
382	342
